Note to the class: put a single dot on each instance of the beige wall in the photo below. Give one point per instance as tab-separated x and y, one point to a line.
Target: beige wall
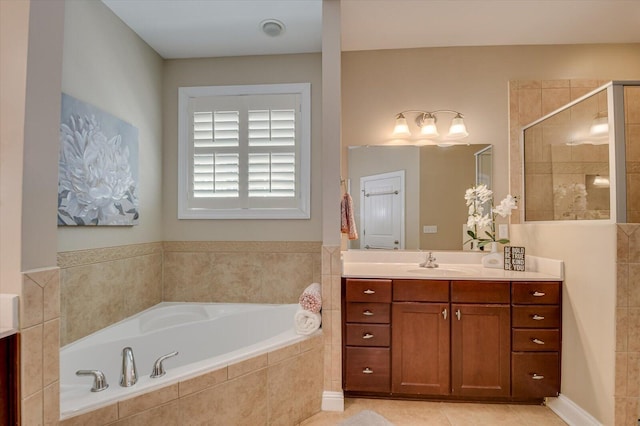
14	28
107	65
229	71
376	85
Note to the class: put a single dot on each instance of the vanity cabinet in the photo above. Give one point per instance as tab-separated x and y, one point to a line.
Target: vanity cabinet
536	335
367	335
461	339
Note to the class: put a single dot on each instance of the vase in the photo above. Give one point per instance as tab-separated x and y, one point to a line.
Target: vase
493	259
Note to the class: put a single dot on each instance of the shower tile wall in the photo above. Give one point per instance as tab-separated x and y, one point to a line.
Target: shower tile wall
99	287
632	143
627	389
239	272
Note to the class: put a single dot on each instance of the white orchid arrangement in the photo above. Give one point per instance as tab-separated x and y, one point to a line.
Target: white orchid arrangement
477	197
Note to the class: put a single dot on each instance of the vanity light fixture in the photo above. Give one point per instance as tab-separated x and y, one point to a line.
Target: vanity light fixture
426	121
601	181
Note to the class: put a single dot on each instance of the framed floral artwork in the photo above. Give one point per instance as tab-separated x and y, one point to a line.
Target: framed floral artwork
97	168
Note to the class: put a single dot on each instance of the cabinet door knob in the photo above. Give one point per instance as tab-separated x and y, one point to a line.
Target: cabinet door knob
458	315
537	376
537	341
537	317
537	294
367	370
367	313
367	336
369	291
444	313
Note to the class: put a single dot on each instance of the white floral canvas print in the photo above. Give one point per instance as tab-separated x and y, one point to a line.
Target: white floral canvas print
97	168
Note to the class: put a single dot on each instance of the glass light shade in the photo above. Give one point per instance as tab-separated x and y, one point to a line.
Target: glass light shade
458	129
402	128
599	126
429	126
601	181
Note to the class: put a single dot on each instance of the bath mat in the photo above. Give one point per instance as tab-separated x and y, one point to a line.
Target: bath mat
366	418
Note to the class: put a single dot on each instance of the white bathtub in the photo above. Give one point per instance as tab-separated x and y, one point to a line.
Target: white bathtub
207	337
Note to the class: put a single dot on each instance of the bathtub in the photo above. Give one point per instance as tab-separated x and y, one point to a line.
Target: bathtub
207	337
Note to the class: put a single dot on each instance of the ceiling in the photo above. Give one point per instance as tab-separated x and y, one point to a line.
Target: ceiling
213	28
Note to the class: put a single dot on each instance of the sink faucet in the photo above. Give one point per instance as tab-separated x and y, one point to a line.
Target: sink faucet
430	262
129	374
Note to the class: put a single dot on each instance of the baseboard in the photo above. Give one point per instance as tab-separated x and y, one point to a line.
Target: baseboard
332	401
570	412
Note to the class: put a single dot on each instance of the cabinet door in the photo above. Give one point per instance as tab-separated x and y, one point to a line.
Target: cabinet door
420	348
480	350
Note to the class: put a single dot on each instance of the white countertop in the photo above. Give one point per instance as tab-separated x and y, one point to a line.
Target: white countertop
8	315
451	266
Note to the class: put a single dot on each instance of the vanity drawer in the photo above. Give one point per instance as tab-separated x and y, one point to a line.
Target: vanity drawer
377	313
368	335
535	316
535	293
367	369
480	291
535	375
368	290
536	340
420	291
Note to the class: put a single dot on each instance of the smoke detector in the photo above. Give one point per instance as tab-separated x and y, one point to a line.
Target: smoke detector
272	27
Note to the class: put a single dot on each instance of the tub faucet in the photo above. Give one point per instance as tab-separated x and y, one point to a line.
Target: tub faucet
129	374
430	262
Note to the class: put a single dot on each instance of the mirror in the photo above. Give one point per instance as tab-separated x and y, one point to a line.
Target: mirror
428	212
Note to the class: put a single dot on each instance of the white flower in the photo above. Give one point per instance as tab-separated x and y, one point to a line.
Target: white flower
94	174
505	207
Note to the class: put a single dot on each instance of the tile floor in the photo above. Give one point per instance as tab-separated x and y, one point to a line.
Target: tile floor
426	413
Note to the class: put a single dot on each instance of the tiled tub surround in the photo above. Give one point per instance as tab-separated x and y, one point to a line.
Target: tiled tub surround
281	387
100	287
202	336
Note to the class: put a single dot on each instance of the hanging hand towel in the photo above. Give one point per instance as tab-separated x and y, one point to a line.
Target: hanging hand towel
311	298
306	322
347	220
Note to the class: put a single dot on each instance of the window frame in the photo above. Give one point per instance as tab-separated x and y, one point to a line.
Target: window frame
302	209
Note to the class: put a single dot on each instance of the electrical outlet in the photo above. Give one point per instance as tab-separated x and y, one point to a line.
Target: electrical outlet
430	229
503	231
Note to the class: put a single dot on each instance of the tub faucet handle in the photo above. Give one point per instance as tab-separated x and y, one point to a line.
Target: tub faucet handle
99	381
129	373
158	368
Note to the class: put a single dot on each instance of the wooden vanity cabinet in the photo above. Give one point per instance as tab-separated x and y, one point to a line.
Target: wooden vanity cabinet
480	338
366	335
536	335
421	337
462	339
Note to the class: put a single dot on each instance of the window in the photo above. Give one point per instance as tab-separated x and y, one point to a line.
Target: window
244	152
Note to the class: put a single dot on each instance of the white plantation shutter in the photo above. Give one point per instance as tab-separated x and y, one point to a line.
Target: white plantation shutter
244	155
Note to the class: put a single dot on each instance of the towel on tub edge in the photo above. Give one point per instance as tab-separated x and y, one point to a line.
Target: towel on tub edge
306	322
311	298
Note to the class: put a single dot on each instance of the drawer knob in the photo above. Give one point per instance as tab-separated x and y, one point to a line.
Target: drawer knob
367	313
537	317
537	341
369	291
367	336
367	370
537	376
537	294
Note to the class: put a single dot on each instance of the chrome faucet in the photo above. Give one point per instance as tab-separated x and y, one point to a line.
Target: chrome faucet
430	262
99	381
129	374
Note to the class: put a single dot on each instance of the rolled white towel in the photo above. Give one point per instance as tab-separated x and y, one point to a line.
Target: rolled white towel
311	298
307	322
